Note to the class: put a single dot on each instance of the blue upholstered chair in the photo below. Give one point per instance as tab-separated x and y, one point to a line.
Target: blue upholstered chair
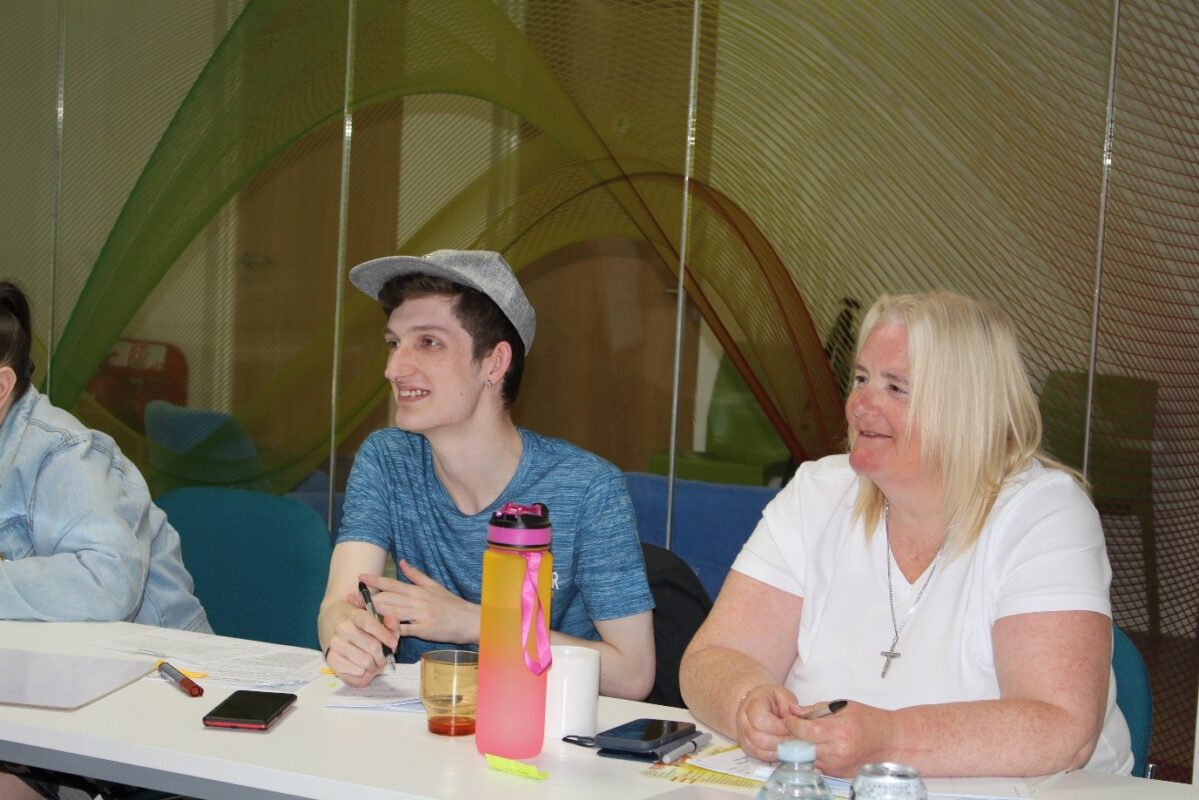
260	561
313	492
1133	696
196	446
711	520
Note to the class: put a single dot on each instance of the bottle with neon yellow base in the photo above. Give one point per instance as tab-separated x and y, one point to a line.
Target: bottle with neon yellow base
514	644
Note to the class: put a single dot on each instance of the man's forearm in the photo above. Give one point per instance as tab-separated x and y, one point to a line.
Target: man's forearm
331	614
628	676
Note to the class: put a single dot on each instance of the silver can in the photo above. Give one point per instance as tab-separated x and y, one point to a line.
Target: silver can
888	782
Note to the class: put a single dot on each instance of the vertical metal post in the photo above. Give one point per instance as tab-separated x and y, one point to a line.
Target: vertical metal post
343	204
1108	132
56	190
681	296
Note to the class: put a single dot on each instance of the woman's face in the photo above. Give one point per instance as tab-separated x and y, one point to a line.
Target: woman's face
883	449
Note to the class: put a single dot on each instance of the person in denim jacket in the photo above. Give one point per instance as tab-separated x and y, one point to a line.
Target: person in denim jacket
80	539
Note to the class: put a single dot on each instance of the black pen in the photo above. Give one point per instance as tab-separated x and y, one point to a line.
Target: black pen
370	606
824	711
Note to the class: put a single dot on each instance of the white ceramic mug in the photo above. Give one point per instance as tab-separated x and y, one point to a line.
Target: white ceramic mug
571	692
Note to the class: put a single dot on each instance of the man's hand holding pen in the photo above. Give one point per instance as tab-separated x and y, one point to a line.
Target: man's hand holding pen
368	604
426	609
362	642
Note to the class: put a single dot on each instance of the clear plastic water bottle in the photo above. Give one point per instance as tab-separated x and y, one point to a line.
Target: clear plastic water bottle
795	778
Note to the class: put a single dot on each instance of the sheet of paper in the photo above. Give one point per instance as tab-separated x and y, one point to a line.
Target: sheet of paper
53	680
392	691
231	662
698	793
978	788
732	761
681	771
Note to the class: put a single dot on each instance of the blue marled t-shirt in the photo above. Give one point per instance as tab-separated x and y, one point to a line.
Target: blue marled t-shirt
395	500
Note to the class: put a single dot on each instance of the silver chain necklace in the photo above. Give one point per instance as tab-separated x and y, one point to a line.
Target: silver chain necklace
890	654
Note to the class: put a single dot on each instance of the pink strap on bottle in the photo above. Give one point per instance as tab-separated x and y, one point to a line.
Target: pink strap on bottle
530	605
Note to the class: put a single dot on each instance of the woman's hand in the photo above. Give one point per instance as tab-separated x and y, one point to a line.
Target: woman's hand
857	734
761	720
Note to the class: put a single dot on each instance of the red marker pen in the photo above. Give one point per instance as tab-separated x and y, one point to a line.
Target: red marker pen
179	679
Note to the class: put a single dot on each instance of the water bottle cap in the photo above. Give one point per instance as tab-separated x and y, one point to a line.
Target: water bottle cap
517	525
797	750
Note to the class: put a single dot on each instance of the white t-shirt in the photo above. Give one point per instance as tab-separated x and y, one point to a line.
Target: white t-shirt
1041	549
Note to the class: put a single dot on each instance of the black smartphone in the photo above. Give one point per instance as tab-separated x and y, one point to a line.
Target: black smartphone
643	735
249	710
629	755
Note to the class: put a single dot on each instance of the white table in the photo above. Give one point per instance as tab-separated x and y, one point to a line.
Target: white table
149	734
1097	786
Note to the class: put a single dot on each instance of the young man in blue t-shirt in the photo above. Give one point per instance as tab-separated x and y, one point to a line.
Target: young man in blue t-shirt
458	328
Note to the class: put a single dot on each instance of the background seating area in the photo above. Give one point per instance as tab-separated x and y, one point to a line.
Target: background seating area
194	446
260	561
1133	696
711	520
742	445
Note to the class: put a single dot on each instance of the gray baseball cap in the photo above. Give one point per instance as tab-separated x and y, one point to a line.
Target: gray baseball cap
484	270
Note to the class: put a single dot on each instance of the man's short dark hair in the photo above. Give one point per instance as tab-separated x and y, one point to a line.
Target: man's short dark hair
480	317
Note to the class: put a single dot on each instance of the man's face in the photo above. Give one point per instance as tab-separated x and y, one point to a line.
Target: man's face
435	381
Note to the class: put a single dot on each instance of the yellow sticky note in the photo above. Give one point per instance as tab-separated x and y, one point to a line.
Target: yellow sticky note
515	767
191	673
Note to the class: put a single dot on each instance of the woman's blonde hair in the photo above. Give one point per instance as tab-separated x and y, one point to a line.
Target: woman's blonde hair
970	397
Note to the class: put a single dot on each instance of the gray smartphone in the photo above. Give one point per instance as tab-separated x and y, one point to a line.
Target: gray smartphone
644	735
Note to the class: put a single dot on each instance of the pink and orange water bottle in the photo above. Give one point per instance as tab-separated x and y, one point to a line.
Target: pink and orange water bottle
514	632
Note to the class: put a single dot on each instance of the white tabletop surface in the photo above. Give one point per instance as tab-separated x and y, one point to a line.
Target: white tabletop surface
1097	786
150	734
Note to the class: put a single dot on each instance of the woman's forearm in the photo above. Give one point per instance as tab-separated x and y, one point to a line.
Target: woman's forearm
994	737
714	679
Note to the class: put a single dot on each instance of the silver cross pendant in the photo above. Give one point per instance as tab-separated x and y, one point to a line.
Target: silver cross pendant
889	655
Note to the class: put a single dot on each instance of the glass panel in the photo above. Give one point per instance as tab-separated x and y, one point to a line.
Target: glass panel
128	67
29	48
1143	426
841	150
858	149
599	218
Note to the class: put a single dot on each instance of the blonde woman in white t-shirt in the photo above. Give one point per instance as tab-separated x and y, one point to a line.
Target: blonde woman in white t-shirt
945	577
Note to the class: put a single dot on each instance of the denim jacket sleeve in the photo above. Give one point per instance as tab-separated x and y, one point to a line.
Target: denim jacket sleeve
84	559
